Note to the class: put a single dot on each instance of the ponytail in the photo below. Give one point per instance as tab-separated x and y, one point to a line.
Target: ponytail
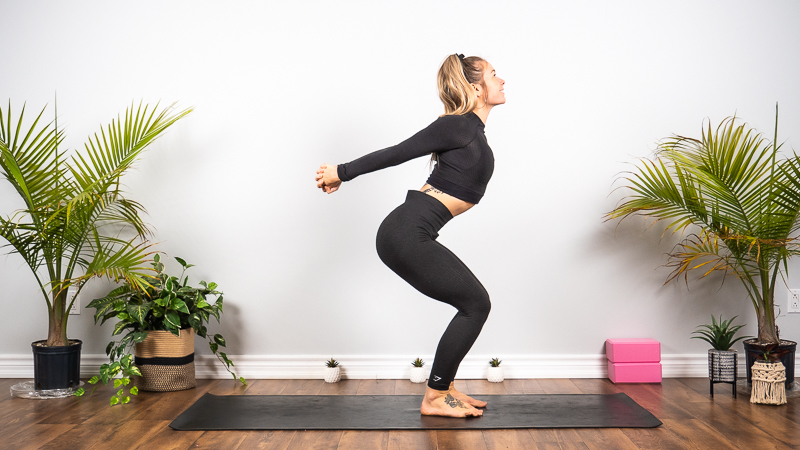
455	80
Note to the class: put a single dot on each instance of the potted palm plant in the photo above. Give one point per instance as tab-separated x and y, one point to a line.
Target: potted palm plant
74	211
739	201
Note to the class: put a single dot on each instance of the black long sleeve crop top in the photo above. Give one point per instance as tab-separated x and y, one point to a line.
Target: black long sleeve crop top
465	162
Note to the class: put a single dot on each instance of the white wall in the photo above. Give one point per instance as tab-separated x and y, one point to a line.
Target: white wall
280	87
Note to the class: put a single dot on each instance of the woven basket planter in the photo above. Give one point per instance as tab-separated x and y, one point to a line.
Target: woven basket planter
769	383
166	361
722	365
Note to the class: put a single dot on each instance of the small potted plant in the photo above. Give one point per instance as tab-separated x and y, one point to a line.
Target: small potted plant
159	322
721	358
332	372
417	371
495	371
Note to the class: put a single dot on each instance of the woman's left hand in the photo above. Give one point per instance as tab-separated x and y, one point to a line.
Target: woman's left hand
328	178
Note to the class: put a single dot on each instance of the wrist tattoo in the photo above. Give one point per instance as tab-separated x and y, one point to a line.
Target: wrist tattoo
433	189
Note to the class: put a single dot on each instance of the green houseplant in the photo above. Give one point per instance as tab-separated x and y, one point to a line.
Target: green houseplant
722	359
495	371
737	199
168	304
417	371
74	212
332	371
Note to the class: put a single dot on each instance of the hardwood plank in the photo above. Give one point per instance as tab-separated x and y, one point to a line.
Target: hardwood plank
315	440
359	440
220	439
267	387
661	438
514	439
266	440
515	386
484	387
166	439
462	386
343	387
229	387
605	438
169	405
596	386
81	437
652	401
130	434
35	436
303	387
558	386
376	387
418	440
406	387
460	439
693	432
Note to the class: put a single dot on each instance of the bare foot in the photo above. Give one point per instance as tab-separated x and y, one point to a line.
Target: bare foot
466	398
443	403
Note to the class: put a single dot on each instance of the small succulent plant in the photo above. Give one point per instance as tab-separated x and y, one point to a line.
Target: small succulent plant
331	363
418	363
495	362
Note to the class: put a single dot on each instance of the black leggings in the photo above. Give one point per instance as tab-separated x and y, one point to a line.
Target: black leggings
406	243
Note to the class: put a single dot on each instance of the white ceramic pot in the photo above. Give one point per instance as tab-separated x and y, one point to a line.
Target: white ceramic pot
418	374
332	374
495	374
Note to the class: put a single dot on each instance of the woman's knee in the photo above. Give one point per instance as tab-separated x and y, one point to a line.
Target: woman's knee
480	306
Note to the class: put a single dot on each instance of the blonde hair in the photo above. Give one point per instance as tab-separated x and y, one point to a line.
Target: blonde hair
455	79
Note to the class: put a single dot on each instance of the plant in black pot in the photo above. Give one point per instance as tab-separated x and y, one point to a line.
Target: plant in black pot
738	199
73	212
159	324
722	359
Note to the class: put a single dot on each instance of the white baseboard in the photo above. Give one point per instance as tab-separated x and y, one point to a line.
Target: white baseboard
392	367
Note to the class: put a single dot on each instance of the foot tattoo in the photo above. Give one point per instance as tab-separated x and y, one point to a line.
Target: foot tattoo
454	402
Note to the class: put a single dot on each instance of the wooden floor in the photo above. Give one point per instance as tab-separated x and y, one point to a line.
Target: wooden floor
691	419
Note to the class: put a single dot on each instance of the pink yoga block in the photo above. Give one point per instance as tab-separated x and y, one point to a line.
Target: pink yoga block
634	372
633	350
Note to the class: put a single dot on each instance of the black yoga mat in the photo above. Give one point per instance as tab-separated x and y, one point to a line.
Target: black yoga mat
401	412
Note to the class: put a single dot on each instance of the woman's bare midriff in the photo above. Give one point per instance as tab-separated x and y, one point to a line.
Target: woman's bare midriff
455	205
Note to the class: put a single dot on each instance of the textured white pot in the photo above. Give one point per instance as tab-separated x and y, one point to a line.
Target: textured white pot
417	374
495	374
332	374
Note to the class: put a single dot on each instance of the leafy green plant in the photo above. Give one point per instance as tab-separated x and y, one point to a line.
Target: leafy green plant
74	207
719	335
741	197
331	363
494	362
418	363
167	304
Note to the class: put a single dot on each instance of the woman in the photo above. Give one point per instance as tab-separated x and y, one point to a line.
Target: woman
406	241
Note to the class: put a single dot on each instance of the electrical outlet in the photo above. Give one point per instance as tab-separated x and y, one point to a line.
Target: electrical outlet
794	301
76	307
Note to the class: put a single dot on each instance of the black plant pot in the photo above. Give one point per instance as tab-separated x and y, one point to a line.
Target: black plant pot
787	359
56	367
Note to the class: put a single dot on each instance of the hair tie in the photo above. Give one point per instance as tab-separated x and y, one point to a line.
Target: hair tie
460	56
